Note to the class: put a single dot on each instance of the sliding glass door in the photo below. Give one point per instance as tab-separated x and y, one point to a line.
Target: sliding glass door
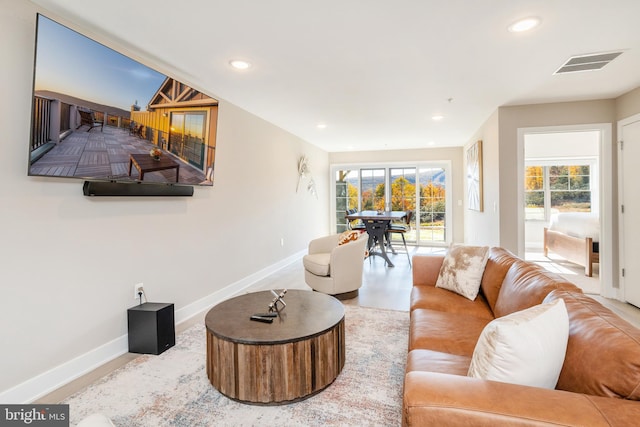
419	189
433	205
346	195
403	198
372	189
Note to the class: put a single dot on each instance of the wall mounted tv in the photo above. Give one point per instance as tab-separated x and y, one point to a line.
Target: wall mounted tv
99	115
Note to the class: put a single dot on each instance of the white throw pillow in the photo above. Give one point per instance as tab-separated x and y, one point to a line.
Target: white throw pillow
462	270
526	347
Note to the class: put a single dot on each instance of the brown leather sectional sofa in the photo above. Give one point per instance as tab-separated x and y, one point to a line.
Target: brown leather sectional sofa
599	383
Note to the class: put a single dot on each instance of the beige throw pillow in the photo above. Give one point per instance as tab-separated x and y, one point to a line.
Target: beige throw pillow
462	270
526	347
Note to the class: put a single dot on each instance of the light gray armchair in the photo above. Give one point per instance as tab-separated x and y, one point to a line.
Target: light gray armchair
335	269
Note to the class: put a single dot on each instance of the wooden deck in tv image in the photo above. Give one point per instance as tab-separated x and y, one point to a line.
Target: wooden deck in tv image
93	128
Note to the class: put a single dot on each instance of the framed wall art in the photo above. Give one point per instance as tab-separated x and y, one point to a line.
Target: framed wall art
474	177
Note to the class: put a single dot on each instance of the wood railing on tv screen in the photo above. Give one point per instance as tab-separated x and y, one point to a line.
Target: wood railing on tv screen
52	119
40	134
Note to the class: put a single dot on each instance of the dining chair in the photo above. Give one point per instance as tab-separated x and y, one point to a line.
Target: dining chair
402	229
357	224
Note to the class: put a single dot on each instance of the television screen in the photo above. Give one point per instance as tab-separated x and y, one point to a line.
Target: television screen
100	115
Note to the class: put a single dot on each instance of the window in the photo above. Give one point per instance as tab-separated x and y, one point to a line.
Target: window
346	196
569	187
187	137
403	189
421	189
554	188
433	204
534	193
372	191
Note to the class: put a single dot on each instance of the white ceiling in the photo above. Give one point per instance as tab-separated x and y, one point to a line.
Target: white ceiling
374	71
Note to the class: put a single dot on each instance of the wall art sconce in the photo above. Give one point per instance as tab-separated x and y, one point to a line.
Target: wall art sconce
304	170
474	177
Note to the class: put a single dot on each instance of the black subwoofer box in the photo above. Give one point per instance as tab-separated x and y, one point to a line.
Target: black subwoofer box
151	328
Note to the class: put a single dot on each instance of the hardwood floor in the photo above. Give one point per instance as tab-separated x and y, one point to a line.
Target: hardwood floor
383	287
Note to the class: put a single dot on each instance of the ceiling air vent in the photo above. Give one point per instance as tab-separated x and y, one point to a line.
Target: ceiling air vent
591	62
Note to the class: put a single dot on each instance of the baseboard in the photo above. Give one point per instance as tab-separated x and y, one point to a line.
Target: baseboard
49	381
234	289
55	378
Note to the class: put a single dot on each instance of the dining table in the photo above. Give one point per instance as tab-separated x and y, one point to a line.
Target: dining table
377	224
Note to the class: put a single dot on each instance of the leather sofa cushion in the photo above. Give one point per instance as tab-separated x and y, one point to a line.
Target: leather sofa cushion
525	285
317	264
498	264
445	300
435	399
436	361
452	333
426	269
603	351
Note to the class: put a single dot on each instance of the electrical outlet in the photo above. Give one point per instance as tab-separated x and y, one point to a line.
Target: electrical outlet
137	288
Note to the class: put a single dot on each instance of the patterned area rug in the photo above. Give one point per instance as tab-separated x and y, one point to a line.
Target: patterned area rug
172	389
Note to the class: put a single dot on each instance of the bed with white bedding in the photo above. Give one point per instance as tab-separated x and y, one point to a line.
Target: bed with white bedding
574	236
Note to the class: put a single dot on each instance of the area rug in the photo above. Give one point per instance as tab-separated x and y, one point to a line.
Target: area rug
172	389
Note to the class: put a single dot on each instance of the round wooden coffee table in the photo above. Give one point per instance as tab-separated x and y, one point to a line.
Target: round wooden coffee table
295	357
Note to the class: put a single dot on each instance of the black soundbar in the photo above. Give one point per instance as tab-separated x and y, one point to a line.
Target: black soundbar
104	188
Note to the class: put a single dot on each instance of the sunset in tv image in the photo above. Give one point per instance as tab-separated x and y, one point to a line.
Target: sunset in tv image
100	115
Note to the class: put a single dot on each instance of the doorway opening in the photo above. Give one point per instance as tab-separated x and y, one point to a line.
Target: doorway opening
562	190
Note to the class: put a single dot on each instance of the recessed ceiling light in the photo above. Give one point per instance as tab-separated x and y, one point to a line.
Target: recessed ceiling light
524	25
437	117
431	143
321	125
240	64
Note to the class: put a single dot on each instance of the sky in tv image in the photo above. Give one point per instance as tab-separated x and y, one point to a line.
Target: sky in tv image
72	64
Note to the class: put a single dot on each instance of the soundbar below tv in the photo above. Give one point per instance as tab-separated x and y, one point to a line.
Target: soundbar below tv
120	189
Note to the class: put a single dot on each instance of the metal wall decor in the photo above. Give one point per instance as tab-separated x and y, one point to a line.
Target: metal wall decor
305	170
474	177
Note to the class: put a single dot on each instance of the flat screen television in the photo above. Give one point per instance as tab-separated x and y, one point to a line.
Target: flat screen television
99	115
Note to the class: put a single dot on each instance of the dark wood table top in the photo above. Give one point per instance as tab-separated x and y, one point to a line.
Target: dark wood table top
306	315
146	163
385	215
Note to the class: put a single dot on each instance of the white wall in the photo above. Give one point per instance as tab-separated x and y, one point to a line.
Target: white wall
483	228
513	120
558	145
539	115
628	104
68	263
